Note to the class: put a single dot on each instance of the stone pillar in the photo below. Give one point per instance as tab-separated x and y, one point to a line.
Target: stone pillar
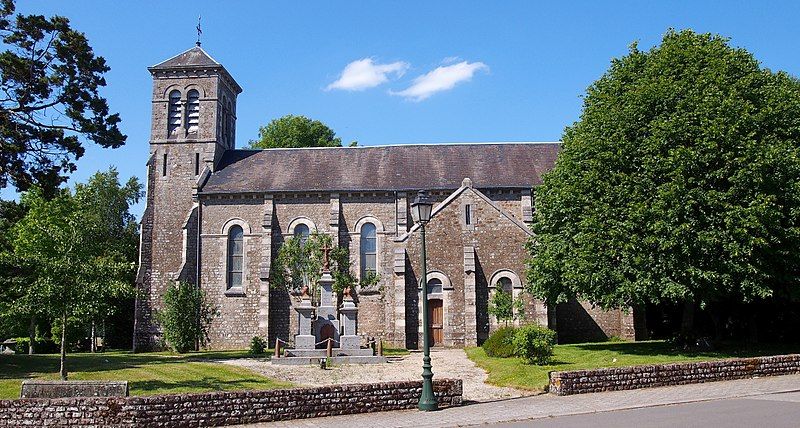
326	312
399	334
304	339
333	221
349	312
470	298
264	267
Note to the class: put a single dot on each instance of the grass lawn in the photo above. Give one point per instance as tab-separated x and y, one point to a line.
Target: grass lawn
146	373
512	372
394	352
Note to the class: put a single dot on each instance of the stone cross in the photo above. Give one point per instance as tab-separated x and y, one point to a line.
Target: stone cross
326	262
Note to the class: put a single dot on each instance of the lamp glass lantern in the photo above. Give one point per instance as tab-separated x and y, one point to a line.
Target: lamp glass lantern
421	208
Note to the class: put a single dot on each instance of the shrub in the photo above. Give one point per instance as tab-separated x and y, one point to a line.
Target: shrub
185	316
534	344
501	343
257	345
41	346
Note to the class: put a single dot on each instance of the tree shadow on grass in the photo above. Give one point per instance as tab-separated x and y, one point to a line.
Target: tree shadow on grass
206	384
25	366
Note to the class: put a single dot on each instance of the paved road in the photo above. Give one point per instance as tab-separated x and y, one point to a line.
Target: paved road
779	392
771	410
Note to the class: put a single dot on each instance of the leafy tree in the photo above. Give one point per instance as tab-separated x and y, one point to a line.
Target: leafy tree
49	99
72	269
185	317
107	203
295	131
299	264
679	183
502	305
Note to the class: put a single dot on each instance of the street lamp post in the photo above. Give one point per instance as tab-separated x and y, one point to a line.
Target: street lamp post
421	213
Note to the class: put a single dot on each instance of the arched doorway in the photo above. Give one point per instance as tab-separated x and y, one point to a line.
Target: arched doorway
327	331
435	317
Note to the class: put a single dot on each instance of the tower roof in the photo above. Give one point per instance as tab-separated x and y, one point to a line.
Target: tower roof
192	59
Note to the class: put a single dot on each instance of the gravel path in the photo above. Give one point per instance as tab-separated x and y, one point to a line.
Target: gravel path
447	363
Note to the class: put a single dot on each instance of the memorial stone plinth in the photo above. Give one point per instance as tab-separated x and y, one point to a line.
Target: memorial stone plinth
349	338
305	338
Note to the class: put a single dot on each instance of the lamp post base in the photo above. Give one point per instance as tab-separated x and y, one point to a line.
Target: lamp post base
427	401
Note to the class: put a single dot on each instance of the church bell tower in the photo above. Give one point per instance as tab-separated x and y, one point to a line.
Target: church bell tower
193	124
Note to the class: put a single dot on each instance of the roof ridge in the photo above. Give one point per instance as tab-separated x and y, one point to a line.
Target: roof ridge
378	146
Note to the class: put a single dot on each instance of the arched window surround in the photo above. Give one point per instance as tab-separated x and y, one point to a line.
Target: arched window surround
516	288
355	243
229	289
446	297
301	220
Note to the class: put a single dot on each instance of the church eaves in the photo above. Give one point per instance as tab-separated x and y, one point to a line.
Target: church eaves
382	168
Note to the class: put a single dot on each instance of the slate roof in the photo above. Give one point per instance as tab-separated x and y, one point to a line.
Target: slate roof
194	57
383	168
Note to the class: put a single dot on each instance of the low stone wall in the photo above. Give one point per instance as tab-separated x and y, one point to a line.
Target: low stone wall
224	408
620	378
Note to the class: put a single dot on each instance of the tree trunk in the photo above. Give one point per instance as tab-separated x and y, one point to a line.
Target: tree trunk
104	336
93	346
687	323
32	335
63	370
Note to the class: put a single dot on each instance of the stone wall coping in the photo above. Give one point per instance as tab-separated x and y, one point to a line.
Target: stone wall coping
567	374
680	373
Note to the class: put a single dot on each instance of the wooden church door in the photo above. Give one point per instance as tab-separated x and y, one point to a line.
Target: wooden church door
436	318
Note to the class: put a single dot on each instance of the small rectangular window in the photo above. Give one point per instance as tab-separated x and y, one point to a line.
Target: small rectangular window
197	164
164	166
468	214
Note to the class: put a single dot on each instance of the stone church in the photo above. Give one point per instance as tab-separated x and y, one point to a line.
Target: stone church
216	216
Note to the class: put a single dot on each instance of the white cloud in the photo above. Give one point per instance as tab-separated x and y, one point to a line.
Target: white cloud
442	78
364	74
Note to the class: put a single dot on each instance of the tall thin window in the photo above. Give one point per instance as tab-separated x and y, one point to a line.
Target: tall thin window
197	164
301	232
231	125
164	166
235	256
192	111
468	214
174	114
368	249
224	117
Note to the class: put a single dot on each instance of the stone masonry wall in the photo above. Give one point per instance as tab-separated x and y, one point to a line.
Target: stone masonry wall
622	378
224	408
238	311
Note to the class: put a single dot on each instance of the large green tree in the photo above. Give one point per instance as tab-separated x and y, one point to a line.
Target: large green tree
295	131
78	247
680	183
49	100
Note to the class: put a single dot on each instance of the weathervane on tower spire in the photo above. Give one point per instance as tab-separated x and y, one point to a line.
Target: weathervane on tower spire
199	31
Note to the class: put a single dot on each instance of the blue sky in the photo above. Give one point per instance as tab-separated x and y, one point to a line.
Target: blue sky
506	71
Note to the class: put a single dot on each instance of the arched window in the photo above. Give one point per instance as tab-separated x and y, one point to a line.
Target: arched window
192	111
174	114
368	249
235	256
301	232
434	286
506	285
